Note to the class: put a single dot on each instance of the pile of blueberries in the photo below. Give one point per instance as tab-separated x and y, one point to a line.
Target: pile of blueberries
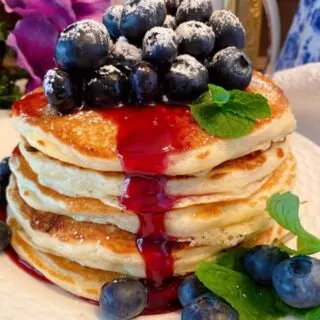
148	51
296	280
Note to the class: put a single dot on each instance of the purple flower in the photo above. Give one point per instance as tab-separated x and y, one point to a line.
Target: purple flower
35	35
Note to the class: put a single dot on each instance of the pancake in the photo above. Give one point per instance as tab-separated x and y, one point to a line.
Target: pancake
196	223
88	139
233	178
106	247
83	281
238	167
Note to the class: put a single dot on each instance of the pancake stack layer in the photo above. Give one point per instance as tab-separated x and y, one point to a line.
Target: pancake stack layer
145	193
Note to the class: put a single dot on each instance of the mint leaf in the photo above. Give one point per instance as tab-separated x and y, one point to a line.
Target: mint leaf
229	114
313	314
203	101
218	94
252	302
250	105
284	208
232	259
221	124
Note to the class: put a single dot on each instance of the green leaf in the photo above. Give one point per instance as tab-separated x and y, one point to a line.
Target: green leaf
218	94
251	105
232	259
203	101
229	114
252	302
313	314
284	208
220	123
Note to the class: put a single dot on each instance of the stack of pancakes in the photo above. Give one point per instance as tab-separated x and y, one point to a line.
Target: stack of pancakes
64	196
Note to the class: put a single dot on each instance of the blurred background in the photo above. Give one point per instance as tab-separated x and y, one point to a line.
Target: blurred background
281	35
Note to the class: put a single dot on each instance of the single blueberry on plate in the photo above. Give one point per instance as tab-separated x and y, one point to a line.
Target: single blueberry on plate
195	38
191	288
82	46
160	46
198	10
170	22
5	235
4	178
172	6
186	80
206	307
228	30
122	299
139	16
111	20
144	81
59	90
260	262
231	68
297	282
124	55
108	86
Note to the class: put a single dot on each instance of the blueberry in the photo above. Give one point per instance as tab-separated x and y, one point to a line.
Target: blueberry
228	30
5	235
198	10
170	22
297	282
207	306
122	299
191	288
186	80
144	81
160	46
59	90
139	16
124	55
195	38
260	262
172	6
108	86
231	68
4	178
111	20
83	46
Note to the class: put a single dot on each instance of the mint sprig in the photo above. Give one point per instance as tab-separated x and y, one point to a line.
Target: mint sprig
227	278
284	208
229	114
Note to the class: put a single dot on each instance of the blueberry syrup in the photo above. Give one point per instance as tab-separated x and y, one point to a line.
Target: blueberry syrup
146	136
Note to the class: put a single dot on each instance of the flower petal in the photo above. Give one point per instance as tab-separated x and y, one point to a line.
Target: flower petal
88	9
33	39
59	12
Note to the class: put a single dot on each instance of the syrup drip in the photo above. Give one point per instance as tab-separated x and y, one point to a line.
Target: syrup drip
146	136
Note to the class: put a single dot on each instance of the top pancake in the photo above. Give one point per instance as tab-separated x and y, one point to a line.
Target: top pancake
89	140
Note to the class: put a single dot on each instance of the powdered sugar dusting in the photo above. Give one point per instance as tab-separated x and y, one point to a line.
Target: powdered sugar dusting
144	8
114	11
91	28
191	29
160	37
227	53
187	5
123	48
222	18
49	80
190	66
170	22
104	71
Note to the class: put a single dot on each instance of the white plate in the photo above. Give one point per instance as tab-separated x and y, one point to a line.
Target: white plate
22	297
